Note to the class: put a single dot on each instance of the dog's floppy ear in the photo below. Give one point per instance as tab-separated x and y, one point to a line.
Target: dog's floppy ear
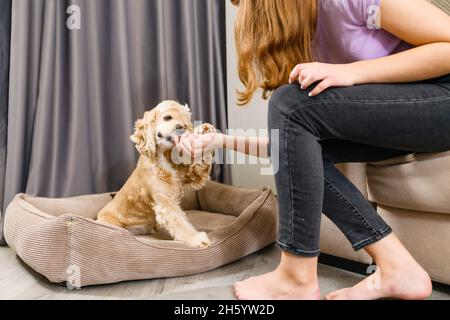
144	134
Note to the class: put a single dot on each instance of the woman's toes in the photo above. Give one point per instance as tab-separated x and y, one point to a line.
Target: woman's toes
335	294
274	285
237	290
242	297
330	296
406	284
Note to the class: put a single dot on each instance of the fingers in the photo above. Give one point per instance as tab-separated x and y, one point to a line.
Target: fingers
327	75
306	74
182	144
303	75
190	145
177	139
208	141
322	86
309	80
185	147
302	71
194	145
295	74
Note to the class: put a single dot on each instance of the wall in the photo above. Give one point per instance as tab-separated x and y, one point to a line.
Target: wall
254	116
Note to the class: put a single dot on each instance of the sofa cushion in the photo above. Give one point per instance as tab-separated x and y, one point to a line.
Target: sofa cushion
356	173
417	182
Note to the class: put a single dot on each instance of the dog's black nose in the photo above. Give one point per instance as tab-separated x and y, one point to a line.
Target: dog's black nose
160	135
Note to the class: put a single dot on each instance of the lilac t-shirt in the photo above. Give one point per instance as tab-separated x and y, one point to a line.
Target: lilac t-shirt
349	31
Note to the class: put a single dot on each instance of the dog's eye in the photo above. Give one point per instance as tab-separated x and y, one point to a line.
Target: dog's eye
167	118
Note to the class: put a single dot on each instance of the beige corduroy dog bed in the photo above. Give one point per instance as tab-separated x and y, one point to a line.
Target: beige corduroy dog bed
59	239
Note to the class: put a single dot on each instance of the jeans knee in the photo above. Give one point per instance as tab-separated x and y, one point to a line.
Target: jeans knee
282	101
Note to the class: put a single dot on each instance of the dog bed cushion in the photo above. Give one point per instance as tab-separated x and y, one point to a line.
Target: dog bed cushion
60	239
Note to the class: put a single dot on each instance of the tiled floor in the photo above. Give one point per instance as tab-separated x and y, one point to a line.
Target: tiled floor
17	281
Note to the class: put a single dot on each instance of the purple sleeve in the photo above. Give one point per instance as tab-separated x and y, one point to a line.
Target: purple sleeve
367	11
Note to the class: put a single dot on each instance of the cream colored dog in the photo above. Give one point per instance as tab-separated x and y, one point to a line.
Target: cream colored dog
151	196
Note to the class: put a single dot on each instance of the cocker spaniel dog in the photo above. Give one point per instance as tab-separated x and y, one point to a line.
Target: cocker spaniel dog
150	199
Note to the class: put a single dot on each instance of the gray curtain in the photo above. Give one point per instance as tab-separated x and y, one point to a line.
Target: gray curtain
443	4
75	94
5	37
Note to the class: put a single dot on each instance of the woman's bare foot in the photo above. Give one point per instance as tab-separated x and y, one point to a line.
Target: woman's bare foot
276	286
398	276
413	284
294	279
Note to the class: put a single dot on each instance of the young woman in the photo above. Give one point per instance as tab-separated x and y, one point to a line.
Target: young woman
367	82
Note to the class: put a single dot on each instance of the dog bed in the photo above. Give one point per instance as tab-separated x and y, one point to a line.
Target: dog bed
59	238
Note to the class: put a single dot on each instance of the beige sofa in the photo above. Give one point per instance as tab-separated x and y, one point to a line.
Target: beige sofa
412	193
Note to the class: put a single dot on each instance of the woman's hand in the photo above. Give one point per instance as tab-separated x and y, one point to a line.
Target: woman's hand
195	144
328	75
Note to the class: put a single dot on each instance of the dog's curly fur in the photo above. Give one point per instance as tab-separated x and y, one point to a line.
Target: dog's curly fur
150	199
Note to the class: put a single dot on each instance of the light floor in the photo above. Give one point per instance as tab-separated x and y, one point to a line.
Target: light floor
17	281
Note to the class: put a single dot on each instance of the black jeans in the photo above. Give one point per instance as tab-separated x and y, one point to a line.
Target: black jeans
362	123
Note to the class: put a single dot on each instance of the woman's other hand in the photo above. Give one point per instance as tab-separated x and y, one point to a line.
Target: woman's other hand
328	75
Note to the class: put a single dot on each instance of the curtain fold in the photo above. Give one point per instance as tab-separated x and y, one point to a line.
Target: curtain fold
443	4
5	38
75	94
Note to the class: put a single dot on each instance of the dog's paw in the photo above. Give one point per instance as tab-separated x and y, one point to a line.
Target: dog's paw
199	183
200	240
205	128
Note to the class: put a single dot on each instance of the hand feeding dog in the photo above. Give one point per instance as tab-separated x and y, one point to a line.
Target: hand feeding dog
150	199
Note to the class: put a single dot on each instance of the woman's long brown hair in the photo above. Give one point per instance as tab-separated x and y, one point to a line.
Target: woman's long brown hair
272	37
